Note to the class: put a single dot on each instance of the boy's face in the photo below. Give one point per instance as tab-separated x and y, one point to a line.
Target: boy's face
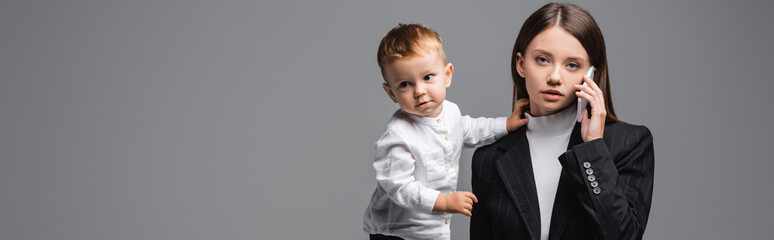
418	84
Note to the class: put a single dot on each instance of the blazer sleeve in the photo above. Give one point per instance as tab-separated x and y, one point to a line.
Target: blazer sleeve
616	191
480	220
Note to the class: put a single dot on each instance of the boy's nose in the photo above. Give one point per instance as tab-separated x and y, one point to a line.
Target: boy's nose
420	90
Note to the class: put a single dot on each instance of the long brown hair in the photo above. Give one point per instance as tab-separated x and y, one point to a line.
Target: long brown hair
579	23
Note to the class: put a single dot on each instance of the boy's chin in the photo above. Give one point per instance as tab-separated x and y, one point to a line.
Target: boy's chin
421	112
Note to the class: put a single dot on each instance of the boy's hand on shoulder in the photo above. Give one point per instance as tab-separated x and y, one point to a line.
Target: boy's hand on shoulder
456	202
515	121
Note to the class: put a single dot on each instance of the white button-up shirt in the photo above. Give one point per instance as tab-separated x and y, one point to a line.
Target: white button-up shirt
416	159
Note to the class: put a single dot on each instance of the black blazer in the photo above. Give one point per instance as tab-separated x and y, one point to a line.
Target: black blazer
621	164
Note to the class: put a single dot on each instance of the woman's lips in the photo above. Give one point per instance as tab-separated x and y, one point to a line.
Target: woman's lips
552	95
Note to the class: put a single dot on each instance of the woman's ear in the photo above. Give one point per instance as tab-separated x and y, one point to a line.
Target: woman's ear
449	72
389	92
520	64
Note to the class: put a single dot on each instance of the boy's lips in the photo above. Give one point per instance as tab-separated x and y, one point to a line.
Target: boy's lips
423	104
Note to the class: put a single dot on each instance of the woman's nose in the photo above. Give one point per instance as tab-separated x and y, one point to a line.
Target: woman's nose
556	77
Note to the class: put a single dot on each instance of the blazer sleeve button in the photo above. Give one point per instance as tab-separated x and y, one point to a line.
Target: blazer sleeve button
586	164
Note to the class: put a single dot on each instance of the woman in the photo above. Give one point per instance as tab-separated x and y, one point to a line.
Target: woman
557	178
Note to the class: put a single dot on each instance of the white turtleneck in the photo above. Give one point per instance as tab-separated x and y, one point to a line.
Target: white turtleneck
548	138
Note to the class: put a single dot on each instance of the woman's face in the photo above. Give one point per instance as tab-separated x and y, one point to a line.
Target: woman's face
553	63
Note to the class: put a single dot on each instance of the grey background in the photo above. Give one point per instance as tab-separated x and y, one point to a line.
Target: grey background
181	119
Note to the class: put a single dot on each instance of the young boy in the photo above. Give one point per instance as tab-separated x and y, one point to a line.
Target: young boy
416	157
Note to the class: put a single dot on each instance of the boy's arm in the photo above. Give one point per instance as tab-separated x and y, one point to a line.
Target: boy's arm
394	167
482	131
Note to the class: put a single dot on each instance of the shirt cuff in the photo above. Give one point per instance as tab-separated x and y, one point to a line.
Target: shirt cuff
501	127
428	198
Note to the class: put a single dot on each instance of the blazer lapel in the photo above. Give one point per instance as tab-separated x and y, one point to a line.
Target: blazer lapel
515	169
564	195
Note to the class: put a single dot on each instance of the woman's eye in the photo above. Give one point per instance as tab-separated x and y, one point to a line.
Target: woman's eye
403	84
573	65
541	59
429	77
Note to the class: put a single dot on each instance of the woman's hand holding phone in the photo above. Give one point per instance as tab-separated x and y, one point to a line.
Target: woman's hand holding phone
594	127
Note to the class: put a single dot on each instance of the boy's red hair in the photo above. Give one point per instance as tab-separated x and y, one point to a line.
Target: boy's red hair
408	40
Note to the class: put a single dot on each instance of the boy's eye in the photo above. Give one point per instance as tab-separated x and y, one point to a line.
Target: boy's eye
429	77
403	84
541	59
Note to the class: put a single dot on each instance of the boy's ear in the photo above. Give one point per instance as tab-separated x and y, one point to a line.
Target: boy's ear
520	64
449	72
389	92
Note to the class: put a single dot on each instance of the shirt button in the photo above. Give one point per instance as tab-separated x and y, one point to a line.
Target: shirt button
586	164
451	164
589	171
597	190
438	121
594	184
446	138
446	221
592	178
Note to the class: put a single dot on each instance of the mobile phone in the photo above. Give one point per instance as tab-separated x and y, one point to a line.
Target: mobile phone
582	102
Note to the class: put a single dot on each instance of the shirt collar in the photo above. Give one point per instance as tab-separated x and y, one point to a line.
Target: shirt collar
428	120
552	125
